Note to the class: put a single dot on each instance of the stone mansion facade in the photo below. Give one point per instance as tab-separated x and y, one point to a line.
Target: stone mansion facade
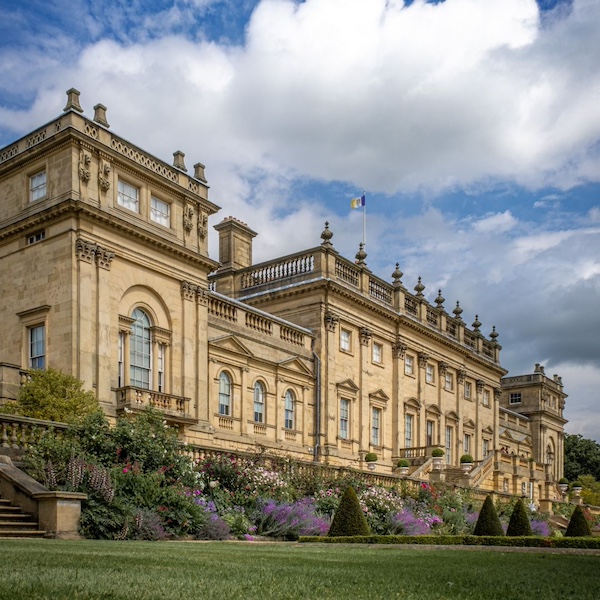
105	274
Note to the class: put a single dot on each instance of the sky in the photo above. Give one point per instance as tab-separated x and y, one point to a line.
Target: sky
473	127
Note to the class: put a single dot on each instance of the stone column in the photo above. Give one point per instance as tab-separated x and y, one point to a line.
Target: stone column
105	354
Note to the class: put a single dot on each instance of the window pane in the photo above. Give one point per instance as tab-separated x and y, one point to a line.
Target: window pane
408	431
289	410
128	196
259	402
37	347
139	361
224	395
375	426
344	418
37	186
160	211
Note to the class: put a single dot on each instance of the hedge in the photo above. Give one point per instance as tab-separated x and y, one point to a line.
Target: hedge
591	543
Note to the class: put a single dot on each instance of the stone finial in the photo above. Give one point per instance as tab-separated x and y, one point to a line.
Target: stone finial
476	324
458	311
326	236
73	101
397	276
199	172
361	255
494	335
440	299
419	288
100	115
179	160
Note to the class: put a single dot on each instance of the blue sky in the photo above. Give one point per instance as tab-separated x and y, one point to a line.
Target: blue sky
472	125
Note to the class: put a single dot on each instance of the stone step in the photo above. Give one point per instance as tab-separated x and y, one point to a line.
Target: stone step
22	533
4	525
14	522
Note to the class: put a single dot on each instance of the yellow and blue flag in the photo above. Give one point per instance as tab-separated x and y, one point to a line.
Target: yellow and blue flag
358	202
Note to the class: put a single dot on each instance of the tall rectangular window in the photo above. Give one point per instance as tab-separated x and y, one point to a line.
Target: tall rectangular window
259	402
486	397
408	431
290	400
467	390
121	365
344	418
429	433
345	340
37	347
377	353
409	365
376	427
467	443
160	211
128	196
160	359
448	382
448	444
37	186
429	373
486	448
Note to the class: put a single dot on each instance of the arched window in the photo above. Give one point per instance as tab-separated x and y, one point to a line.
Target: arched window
140	364
259	402
224	394
290	401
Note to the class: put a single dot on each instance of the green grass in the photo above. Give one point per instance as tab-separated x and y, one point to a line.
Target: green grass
53	569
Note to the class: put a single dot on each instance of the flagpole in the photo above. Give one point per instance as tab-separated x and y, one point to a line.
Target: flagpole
364	220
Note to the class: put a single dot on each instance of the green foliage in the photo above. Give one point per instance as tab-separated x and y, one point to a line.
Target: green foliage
370	457
591	490
519	521
437	452
52	395
578	525
488	522
349	518
582	457
402	463
466	458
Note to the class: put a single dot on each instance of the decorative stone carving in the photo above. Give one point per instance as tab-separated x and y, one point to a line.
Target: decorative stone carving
202	297
202	225
103	175
188	216
365	336
399	348
461	374
497	394
84	165
423	358
443	368
480	384
86	251
326	236
188	290
331	321
104	258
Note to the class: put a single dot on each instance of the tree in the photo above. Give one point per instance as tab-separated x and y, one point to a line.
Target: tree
53	396
488	522
519	521
582	457
349	518
578	525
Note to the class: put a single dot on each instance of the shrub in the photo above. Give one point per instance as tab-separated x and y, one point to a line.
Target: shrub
563	480
402	463
349	519
578	525
437	452
214	529
288	520
370	457
53	396
519	522
488	522
466	458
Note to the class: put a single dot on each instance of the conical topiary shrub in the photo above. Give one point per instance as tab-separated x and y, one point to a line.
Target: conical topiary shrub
488	522
578	525
349	518
519	521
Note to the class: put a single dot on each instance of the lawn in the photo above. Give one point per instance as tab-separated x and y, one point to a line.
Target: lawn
53	569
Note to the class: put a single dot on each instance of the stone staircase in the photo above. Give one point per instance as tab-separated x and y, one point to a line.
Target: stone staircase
453	474
16	523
